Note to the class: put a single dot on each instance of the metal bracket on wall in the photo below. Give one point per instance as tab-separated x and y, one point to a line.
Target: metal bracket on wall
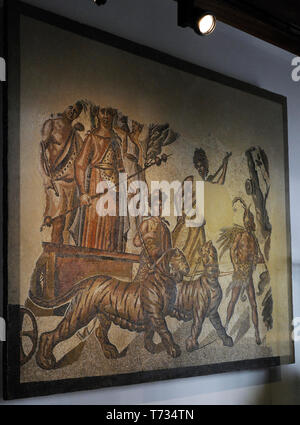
2	69
186	12
2	330
100	2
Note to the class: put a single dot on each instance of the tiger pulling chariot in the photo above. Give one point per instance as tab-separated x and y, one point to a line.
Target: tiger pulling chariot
200	299
143	308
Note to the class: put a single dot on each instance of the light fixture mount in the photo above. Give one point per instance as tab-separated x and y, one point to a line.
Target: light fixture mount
99	2
201	21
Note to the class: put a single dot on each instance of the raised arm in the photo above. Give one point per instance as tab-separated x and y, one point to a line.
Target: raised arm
220	175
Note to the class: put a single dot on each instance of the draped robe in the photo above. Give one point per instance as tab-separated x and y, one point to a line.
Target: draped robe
100	160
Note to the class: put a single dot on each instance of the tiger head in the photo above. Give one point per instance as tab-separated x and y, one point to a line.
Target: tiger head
209	257
178	265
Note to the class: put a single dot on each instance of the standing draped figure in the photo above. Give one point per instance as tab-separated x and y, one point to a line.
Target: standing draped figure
100	160
60	145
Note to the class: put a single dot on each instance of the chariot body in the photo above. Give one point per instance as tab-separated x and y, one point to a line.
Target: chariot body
57	270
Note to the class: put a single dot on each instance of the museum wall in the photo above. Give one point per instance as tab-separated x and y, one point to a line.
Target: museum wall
231	52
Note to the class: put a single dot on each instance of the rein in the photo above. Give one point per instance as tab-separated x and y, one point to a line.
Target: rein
152	268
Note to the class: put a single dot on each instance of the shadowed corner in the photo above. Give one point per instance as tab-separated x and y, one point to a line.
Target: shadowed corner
279	389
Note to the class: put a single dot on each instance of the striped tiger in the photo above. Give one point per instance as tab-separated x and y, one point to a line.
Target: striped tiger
200	298
139	306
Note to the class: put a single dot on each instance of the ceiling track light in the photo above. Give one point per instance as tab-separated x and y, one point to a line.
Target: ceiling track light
99	2
201	21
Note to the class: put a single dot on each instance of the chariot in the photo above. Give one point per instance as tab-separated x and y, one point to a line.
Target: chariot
57	270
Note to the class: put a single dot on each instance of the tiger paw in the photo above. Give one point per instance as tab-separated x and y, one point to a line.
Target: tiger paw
111	352
191	344
228	341
44	356
46	363
151	347
174	351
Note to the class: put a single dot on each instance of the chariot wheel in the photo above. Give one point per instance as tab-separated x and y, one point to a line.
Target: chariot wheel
28	335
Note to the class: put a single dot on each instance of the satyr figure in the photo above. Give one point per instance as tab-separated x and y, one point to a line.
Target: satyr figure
245	254
202	166
60	145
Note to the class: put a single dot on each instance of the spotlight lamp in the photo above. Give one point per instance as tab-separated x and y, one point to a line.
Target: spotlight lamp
202	22
206	24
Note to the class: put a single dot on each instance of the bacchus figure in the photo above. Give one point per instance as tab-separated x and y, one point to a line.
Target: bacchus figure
100	160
